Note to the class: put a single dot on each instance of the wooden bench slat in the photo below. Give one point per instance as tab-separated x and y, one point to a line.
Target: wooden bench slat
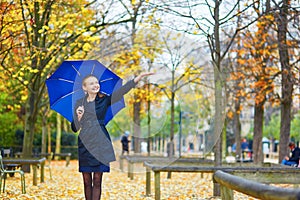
263	171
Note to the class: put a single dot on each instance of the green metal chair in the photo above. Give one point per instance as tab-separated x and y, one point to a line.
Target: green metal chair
4	173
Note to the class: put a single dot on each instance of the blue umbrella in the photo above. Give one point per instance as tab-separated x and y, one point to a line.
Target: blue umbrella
65	86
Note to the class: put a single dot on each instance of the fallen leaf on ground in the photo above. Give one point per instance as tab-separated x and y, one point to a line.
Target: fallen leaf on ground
66	184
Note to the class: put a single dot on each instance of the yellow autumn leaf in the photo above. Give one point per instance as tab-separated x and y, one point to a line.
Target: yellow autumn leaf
34	70
86	47
24	98
93	29
46	27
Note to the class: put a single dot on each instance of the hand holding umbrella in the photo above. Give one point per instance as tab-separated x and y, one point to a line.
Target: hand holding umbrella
80	112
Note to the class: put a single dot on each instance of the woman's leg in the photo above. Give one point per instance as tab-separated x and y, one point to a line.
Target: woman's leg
97	185
87	182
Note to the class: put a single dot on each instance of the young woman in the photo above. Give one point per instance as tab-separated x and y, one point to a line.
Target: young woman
95	150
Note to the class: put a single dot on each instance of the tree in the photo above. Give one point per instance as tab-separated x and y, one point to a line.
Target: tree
210	25
181	69
262	55
287	76
136	54
48	36
257	65
47	40
12	96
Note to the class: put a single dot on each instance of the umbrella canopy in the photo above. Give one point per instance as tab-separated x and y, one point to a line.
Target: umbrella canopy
65	86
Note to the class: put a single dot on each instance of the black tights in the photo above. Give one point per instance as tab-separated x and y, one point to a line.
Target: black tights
92	185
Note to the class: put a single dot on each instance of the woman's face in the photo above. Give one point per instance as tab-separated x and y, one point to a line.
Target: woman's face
91	85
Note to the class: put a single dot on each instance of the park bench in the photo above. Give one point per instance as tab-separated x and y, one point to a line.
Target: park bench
46	155
49	156
6	152
134	159
67	156
34	162
128	157
271	155
268	173
36	155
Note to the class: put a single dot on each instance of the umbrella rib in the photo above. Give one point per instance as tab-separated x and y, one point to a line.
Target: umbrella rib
76	70
106	80
65	96
105	93
93	68
66	80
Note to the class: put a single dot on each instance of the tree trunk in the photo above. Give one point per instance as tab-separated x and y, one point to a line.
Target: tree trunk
237	130
149	127
30	120
28	137
286	83
224	141
237	103
258	132
218	122
44	134
66	125
170	145
218	87
137	127
218	128
58	135
49	139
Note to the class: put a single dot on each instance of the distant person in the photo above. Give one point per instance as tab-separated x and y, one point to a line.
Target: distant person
125	142
245	144
247	153
190	142
233	147
294	159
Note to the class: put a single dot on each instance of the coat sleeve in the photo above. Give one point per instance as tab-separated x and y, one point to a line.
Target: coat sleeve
75	124
118	94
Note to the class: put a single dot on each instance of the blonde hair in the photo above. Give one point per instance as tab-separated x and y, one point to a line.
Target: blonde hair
85	78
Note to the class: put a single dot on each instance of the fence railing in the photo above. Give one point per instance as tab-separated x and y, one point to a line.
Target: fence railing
229	182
